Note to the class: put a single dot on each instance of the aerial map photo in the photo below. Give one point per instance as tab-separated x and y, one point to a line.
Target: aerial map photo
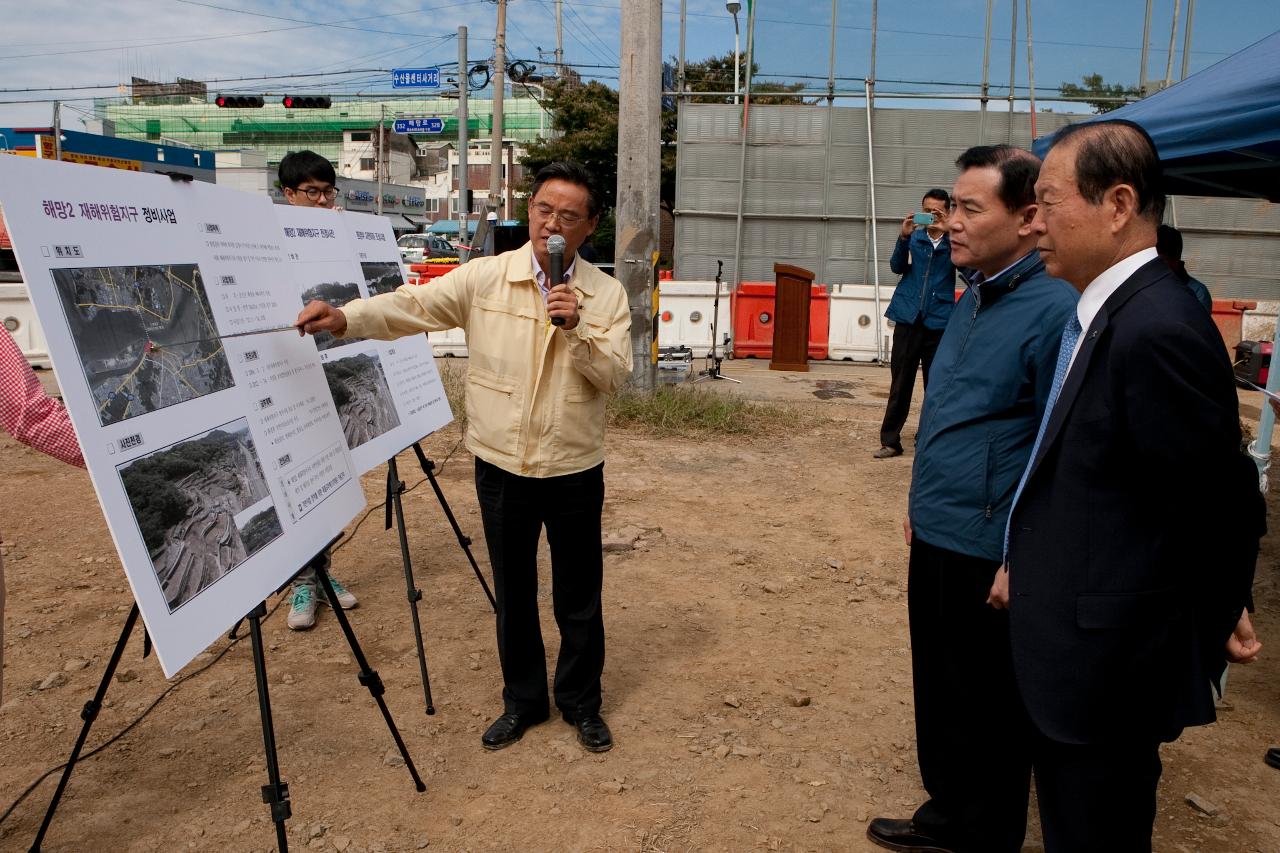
362	397
145	336
336	294
202	506
381	276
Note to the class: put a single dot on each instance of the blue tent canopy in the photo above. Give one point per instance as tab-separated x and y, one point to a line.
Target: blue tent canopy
1218	131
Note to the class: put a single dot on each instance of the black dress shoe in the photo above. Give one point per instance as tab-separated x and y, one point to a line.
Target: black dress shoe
508	729
593	733
902	835
1273	757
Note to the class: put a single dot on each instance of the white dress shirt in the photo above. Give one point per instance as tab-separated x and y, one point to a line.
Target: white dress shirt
1101	288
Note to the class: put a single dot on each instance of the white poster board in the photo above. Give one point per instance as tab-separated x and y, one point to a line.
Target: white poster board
220	464
388	394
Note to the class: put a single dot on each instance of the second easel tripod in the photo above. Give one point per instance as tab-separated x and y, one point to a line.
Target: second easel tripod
395	507
275	794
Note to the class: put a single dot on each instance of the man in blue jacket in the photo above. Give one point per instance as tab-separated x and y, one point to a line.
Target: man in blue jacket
991	381
919	310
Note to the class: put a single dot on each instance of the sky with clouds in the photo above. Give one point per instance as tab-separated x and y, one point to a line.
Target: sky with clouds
921	46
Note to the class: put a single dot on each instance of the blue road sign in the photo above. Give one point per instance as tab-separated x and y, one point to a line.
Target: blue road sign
415	78
419	125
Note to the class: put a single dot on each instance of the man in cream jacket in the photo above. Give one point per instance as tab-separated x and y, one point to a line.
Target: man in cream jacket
535	423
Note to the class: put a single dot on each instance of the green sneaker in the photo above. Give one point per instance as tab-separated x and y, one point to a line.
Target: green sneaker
345	598
302	607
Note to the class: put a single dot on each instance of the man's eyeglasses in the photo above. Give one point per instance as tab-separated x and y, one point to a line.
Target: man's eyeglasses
567	218
329	193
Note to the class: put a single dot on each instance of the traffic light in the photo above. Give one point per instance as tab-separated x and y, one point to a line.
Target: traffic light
306	102
239	101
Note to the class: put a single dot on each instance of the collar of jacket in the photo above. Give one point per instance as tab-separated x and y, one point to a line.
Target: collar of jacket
1007	281
520	269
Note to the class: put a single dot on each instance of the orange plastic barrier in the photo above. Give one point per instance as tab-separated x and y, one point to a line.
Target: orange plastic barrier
752	309
430	271
1228	316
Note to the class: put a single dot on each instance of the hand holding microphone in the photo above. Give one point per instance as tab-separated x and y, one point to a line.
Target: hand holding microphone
555	248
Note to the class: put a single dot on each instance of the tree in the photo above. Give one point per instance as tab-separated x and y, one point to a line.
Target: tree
584	118
715	74
1095	87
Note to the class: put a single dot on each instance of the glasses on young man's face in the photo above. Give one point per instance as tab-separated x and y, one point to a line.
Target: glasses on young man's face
315	193
567	218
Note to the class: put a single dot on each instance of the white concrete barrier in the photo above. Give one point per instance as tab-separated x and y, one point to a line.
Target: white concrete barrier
452	342
20	319
855	323
684	315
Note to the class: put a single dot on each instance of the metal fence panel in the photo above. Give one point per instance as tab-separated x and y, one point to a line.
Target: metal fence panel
805	200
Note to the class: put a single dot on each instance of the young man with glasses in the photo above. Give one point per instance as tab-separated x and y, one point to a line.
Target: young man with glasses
535	423
308	180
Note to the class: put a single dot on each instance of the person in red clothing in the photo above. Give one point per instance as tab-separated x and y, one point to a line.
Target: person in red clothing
33	417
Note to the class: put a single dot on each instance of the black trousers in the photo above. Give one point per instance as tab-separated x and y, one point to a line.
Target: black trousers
972	733
1099	798
913	347
514	510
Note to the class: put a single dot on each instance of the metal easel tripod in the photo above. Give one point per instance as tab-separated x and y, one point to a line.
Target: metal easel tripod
276	793
395	509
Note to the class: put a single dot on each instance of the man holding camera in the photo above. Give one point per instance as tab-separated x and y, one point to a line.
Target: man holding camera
543	356
919	309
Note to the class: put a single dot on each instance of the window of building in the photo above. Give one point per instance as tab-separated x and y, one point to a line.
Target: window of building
361	136
366	164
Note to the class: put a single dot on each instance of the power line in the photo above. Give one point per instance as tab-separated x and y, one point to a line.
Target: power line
339	24
610	52
156	44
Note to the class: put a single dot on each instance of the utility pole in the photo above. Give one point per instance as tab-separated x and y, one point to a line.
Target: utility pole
684	4
1146	40
639	178
495	150
463	142
58	131
382	126
986	78
1173	40
1013	63
494	202
1186	39
1031	75
559	40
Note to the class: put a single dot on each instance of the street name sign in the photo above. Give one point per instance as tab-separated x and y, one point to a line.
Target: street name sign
415	78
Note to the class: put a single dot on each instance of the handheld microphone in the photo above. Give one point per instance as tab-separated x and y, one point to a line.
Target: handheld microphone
555	248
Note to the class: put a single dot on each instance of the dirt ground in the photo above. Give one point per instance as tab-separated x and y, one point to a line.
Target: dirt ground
757	681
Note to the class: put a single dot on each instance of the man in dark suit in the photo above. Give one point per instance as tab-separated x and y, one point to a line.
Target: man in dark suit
1134	531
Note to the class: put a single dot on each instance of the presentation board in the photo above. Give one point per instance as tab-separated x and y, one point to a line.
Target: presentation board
387	394
221	463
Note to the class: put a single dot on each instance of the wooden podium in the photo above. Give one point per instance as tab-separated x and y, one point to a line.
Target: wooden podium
791	318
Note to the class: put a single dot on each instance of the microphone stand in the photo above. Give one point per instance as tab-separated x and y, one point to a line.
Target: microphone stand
713	355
